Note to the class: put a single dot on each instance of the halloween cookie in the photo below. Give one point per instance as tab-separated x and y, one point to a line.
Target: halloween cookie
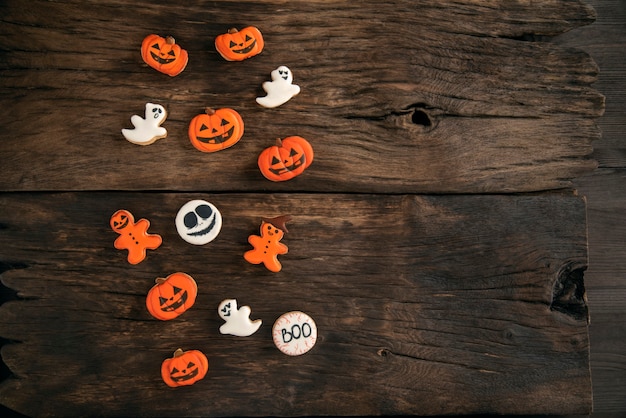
237	45
294	333
163	54
184	368
172	296
267	246
280	90
147	130
198	222
237	321
287	159
215	130
134	236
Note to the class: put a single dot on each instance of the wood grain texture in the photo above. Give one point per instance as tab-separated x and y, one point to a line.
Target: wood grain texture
428	97
474	305
606	284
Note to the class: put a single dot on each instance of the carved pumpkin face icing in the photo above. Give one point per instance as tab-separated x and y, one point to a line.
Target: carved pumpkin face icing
287	159
172	296
163	54
216	130
185	368
120	220
239	45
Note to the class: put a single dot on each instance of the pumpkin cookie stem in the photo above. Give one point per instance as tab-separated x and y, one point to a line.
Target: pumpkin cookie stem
279	222
179	352
209	111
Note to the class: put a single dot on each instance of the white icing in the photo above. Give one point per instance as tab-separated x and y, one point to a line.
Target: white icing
147	130
280	89
238	321
198	222
294	333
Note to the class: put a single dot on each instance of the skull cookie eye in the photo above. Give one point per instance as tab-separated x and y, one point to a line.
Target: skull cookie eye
204	211
190	220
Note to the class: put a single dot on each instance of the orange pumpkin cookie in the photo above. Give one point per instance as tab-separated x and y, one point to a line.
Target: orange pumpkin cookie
287	159
184	368
163	54
267	246
215	130
237	45
134	236
172	296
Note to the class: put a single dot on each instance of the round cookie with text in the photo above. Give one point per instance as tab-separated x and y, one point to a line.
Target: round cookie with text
294	333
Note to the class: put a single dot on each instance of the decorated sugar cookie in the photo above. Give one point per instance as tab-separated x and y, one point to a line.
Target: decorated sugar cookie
287	159
237	321
147	130
267	246
198	222
237	45
294	333
134	236
184	368
280	90
215	130
163	54
172	296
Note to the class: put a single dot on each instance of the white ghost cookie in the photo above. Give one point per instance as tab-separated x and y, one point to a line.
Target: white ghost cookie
147	130
280	89
238	321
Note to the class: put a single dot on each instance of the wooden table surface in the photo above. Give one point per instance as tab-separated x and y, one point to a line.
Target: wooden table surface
442	239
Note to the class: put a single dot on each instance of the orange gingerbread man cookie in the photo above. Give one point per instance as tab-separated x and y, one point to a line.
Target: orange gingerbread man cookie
267	246
134	236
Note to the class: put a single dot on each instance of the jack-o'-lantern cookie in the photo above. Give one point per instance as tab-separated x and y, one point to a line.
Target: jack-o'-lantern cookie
215	130
287	159
163	54
171	296
184	368
237	45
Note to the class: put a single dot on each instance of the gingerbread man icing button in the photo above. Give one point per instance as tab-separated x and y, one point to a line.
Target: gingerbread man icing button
134	236
294	333
267	246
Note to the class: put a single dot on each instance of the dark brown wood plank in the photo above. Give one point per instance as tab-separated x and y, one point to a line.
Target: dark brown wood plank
425	305
606	284
433	97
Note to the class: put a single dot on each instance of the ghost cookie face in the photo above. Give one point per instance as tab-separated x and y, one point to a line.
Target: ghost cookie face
148	129
198	222
280	90
237	320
